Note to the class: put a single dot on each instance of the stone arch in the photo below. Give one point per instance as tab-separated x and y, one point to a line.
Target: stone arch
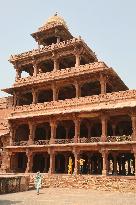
67	92
43	131
45	96
90	88
22	133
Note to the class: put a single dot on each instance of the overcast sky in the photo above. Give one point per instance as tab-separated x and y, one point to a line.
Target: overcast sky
108	27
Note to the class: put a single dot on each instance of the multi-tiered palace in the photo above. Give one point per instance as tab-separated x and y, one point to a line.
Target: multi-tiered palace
66	103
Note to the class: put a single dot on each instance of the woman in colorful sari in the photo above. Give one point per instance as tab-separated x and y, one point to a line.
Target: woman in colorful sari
38	182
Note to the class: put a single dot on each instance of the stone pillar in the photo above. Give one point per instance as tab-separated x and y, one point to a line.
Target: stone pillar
77	60
104	128
52	162
31	133
66	163
76	156
34	94
36	70
29	161
77	130
58	39
105	162
133	118
103	84
78	90
115	164
56	64
54	90
53	125
12	134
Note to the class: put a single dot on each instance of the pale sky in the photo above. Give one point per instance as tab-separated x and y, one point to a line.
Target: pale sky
107	26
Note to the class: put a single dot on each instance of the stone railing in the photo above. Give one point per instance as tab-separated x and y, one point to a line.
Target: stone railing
63	141
61	74
42	142
119	138
89	139
91	103
45	49
20	143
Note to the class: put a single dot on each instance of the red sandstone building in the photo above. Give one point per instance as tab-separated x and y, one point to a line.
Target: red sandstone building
70	104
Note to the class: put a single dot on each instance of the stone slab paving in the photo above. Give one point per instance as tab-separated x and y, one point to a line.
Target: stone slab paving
66	196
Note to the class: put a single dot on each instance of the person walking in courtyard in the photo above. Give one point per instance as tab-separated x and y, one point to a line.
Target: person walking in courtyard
38	182
81	164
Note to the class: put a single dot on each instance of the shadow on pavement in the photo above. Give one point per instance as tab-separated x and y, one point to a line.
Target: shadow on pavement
8	202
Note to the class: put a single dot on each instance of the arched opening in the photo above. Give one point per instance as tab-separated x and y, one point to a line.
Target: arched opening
90	88
67	92
59	163
45	96
41	162
22	133
96	129
124	128
46	66
71	132
109	130
25	99
67	62
42	132
61	131
27	70
96	163
83	129
18	162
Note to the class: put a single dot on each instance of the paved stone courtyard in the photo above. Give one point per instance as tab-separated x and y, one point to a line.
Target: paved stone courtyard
55	196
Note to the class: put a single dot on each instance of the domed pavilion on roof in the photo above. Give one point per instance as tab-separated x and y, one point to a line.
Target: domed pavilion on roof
66	104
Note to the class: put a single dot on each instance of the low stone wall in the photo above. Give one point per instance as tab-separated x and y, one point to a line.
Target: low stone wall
10	184
107	183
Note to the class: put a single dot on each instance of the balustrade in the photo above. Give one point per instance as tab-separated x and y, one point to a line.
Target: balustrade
20	143
63	141
41	142
89	140
119	138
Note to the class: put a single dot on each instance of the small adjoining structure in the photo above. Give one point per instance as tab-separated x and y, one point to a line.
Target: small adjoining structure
66	103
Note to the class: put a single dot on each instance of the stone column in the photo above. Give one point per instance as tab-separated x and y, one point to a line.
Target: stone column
29	161
31	133
58	39
104	128
56	64
77	130
36	70
133	118
78	90
52	162
105	162
54	90
34	94
12	134
66	163
115	164
53	125
103	84
76	156
77	60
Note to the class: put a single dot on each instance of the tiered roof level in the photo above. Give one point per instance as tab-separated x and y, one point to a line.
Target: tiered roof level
69	101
